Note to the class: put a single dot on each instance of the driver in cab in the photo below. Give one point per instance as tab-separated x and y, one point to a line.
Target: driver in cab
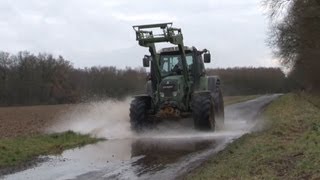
178	67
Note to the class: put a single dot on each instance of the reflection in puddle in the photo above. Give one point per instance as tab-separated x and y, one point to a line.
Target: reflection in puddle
157	153
127	158
105	151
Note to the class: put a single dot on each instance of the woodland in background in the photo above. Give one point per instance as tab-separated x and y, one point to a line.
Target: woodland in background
295	38
28	79
250	80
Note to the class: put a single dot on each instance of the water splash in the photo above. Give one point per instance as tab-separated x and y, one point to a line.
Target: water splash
108	119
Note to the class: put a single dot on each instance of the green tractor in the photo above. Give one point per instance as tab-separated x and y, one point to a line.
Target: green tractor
178	86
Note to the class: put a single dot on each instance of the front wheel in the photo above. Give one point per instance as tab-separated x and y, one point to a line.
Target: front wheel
203	112
138	114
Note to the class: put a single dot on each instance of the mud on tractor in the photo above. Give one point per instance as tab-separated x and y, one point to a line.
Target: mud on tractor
178	86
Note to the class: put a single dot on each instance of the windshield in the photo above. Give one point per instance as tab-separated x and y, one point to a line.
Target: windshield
172	64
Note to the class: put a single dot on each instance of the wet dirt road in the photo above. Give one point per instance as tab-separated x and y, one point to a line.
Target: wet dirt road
165	153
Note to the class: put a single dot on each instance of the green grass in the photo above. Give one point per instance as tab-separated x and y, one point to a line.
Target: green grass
228	100
288	149
14	151
313	98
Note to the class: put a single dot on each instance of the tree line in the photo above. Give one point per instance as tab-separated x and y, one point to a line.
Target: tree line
295	38
28	79
251	80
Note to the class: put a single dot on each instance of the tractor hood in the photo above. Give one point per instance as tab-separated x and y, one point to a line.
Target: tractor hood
171	89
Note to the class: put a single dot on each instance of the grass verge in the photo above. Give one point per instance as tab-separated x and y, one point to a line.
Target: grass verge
228	100
288	149
14	151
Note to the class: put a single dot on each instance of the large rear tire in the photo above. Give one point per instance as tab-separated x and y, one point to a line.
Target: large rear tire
203	112
219	109
138	114
214	86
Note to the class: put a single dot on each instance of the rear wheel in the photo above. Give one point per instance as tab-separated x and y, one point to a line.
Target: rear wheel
203	112
219	109
214	86
138	114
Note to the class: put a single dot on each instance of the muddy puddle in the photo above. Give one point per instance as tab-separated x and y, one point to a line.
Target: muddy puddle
169	151
121	158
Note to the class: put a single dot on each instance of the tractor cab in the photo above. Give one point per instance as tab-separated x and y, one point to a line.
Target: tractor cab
171	62
172	85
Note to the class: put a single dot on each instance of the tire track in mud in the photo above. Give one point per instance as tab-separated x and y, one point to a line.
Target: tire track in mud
168	152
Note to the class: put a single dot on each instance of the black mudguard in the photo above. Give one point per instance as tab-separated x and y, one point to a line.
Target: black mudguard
213	83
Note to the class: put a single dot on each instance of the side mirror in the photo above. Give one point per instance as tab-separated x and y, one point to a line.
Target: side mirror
207	57
146	61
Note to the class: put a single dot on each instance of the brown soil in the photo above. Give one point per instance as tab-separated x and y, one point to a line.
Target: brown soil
28	120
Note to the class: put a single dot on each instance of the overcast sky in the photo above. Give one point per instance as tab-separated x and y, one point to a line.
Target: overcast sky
99	32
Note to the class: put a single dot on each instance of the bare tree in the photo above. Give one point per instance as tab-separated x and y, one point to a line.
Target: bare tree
295	38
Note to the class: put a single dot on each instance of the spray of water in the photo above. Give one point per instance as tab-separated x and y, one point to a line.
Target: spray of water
108	119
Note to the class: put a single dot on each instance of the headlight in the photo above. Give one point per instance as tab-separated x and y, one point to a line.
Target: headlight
175	93
161	94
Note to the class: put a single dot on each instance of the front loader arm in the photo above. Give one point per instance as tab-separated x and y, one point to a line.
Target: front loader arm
169	34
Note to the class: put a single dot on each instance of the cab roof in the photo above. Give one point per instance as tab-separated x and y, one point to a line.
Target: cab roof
174	49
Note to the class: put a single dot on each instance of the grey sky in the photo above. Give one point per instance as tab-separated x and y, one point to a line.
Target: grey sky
99	32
